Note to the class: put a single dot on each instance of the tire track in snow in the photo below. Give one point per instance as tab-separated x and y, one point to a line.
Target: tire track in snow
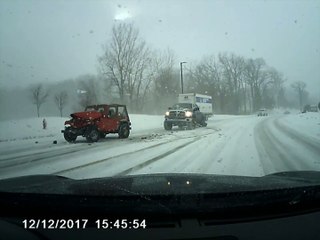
152	160
52	153
215	154
309	143
276	155
46	156
45	153
97	162
19	159
106	159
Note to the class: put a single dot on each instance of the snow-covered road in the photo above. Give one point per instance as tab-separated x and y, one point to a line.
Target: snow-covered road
235	145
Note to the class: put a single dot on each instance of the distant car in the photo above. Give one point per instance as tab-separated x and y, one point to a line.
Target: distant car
313	108
262	112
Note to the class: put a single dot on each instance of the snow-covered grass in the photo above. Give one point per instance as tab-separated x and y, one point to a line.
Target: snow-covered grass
305	123
142	122
31	128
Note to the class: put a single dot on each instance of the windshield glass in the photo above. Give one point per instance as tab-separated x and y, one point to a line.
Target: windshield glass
90	109
250	67
182	106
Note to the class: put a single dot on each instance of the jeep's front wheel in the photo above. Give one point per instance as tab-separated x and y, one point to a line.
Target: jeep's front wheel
93	135
124	131
167	125
68	135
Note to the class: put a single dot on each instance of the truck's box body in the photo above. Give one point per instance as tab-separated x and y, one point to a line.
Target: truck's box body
204	102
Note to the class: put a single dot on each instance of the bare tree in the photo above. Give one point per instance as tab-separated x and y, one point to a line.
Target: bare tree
164	79
165	82
88	90
39	96
256	77
61	100
233	67
125	60
299	87
217	87
277	81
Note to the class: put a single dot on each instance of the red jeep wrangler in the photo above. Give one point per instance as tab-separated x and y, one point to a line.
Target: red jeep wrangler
97	121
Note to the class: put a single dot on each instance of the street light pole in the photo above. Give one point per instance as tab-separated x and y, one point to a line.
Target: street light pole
181	76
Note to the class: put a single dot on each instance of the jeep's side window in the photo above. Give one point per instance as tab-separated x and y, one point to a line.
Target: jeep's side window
112	112
121	112
89	109
101	110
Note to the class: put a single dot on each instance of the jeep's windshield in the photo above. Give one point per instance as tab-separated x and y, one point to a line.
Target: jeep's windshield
90	109
247	71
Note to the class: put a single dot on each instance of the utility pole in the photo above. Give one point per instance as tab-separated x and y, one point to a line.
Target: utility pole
181	76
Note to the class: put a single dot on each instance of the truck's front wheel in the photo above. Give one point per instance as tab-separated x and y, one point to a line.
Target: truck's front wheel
68	135
167	125
190	126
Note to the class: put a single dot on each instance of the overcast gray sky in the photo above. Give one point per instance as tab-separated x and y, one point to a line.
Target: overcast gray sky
44	40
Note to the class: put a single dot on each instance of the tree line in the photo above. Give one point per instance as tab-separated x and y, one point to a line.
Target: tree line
238	85
148	81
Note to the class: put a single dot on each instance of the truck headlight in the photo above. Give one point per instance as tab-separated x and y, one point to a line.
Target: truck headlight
188	114
167	113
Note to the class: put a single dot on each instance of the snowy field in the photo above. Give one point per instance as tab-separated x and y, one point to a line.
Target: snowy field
233	145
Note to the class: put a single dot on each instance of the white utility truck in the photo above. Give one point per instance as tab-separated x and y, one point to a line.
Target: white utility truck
204	102
191	110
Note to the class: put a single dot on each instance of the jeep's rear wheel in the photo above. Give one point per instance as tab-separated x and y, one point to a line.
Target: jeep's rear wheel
124	131
167	125
93	135
69	136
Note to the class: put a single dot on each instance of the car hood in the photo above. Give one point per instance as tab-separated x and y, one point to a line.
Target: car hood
86	115
158	184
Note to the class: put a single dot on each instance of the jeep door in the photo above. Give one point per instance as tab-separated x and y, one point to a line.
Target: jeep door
112	119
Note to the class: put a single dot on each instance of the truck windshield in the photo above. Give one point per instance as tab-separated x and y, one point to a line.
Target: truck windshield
182	106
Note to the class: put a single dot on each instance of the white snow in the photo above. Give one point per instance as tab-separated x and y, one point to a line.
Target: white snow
304	123
31	128
233	145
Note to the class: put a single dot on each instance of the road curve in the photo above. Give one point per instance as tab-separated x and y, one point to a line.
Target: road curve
241	145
